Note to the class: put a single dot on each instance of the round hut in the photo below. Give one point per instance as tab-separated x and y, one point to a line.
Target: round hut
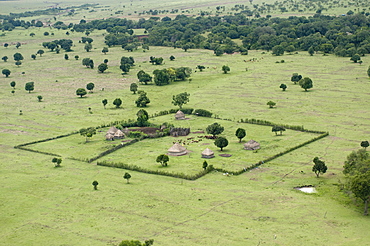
252	145
180	115
208	154
177	150
109	136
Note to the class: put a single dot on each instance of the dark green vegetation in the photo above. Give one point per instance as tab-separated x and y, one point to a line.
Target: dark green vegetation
46	205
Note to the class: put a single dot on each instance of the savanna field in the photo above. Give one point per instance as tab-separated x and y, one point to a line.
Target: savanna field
44	205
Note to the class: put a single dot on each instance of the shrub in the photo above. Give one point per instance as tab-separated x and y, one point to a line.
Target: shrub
202	112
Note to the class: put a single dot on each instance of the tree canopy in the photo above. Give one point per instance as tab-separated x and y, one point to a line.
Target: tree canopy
221	142
319	166
180	99
214	129
306	83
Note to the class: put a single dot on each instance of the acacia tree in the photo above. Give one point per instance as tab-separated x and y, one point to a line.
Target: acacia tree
163	159
271	104
90	86
319	166
6	72
88	132
180	99
283	87
306	83
95	184
221	142
225	69
81	92
214	129
105	50
133	87
18	57
30	86
127	176
364	144
5	59
240	134
117	102
40	52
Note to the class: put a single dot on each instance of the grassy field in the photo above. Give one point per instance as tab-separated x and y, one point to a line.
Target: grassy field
43	205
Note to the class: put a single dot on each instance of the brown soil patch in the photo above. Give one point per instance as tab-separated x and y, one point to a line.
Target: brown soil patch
146	130
225	155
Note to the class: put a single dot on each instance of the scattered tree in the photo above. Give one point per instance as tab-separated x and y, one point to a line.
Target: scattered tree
33	56
95	184
221	142
88	132
142	118
306	83
180	99
319	166
271	104
12	84
5	59
102	67
355	58
240	134
66	56
278	50
364	144
30	86
357	162
56	161
278	129
81	92
18	57
90	86
104	102
311	51
39	98
143	100
295	78
283	87
40	52
105	50
86	62
18	45
163	159
359	184
205	165
76	57
225	69
127	176
117	102
214	129
88	47
18	63
172	58
133	87
144	77
6	72
201	67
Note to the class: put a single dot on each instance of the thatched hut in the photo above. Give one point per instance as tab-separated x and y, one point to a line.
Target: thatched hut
180	115
208	154
252	145
114	133
177	150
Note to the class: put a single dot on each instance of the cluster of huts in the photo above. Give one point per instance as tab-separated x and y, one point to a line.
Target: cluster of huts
114	133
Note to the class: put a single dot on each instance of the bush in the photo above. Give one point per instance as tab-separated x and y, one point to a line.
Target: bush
202	112
187	110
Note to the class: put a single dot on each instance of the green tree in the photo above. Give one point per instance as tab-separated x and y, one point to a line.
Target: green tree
6	72
95	184
172	58
40	52
88	132
18	45
278	129
214	129
39	98
205	165
91	63
32	34
364	144
76	57
355	58
311	51
86	62
127	176
104	102
33	56
357	162
221	142
161	77
359	184
143	100
18	57
225	69
306	83
240	134
163	159
30	86
142	118
102	67
133	88
278	50
56	161
143	77
90	86
18	63
66	56
295	78
81	92
271	104
88	47
180	99
283	87
117	102
319	166
105	50
5	59
125	68
12	84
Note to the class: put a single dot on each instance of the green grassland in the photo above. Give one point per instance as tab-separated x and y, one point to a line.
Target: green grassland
43	205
